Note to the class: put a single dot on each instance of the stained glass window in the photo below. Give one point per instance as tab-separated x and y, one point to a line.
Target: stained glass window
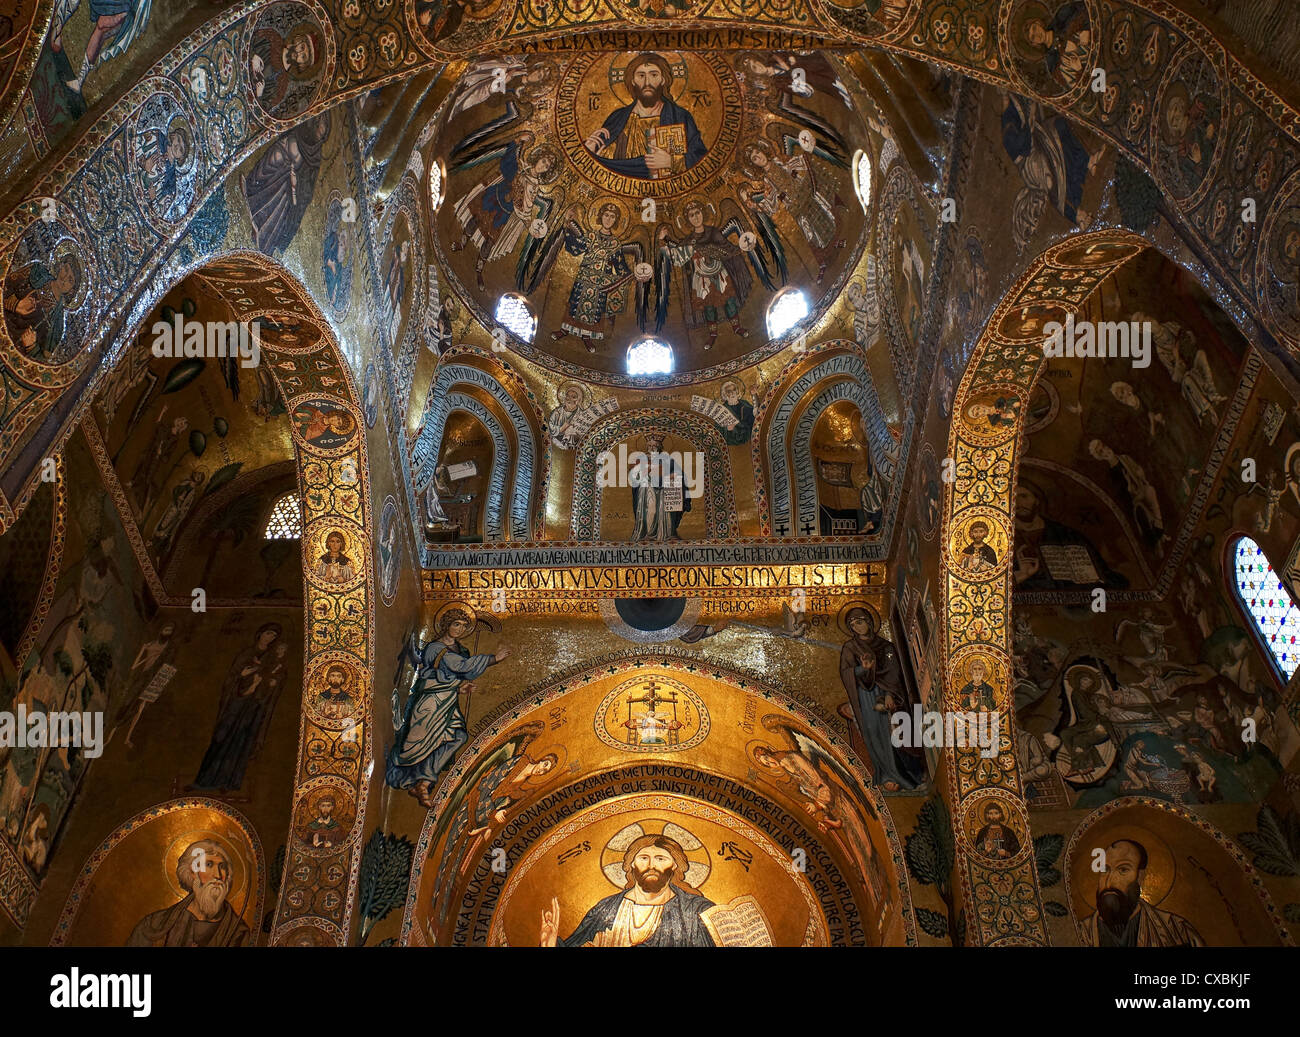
516	316
285	522
1277	620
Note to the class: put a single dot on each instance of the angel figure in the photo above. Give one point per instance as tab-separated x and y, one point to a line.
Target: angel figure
791	184
509	77
609	266
811	770
719	281
497	213
500	780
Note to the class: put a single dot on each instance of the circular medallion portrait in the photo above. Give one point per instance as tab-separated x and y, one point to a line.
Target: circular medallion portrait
323	423
166	158
48	306
638	124
288	58
1051	45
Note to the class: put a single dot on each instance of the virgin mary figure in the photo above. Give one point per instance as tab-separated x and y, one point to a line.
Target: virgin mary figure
248	697
873	679
432	726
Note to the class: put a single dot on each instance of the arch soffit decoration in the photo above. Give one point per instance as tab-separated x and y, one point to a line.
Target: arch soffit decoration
318	889
1002	898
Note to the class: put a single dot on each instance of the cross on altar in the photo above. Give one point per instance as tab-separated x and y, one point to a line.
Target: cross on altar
652	696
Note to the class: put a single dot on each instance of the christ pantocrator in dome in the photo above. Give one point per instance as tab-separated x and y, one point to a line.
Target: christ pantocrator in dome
653	137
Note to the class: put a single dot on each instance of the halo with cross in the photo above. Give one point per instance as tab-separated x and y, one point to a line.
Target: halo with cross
697	854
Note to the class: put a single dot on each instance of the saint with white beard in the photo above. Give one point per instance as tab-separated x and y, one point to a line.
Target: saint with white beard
203	918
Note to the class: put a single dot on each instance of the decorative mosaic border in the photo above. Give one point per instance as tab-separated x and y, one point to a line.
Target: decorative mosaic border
1002	899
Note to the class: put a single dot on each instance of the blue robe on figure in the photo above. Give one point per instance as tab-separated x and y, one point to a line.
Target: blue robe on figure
679	924
433	727
671	114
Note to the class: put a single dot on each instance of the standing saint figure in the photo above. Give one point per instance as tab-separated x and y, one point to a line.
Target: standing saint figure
653	137
248	696
871	497
560	422
873	679
732	396
184	494
281	184
650	485
149	674
433	727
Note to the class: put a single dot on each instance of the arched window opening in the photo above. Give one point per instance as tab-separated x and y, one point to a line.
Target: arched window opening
515	315
788	308
862	178
1267	601
647	356
285	522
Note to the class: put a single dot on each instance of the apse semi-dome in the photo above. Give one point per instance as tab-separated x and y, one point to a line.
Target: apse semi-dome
666	194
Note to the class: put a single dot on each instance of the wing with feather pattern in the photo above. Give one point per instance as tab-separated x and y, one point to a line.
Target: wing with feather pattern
538	255
635	251
663	282
818	756
490	140
767	257
516	742
829	142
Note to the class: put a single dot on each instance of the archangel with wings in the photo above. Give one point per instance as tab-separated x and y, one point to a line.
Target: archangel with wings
498	213
610	265
718	280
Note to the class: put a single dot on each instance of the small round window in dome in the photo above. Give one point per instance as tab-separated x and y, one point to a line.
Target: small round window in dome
649	356
785	311
437	182
862	178
516	316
